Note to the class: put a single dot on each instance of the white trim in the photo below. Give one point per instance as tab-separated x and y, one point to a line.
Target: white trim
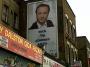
66	16
70	22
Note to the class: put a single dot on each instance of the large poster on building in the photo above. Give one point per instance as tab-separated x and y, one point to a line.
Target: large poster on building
42	25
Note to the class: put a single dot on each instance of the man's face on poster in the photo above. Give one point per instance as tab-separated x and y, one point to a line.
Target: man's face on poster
42	14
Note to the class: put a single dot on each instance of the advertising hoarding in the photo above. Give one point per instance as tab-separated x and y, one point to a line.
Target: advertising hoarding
13	42
42	25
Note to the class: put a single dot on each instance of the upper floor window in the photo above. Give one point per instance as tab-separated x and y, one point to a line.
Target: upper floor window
66	24
67	48
5	13
69	28
10	14
73	32
15	23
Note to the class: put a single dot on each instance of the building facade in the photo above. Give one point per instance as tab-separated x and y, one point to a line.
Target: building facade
13	14
67	32
9	14
15	49
83	50
66	24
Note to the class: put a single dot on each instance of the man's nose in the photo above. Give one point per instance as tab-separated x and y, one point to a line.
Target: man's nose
42	16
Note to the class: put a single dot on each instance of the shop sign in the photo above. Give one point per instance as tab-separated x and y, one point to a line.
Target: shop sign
13	42
47	62
77	64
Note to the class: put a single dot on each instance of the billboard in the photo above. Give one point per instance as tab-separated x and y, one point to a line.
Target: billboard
42	25
14	43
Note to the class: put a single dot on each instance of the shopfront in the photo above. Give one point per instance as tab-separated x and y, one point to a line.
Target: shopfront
17	48
10	59
48	62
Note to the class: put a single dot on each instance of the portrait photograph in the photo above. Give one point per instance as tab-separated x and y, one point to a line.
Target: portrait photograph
42	24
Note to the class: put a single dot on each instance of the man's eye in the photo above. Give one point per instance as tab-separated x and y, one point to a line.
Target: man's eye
39	13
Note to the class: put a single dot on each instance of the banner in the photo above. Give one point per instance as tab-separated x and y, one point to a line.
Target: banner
13	42
42	25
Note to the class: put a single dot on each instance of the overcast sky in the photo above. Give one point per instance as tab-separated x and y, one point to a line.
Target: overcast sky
81	9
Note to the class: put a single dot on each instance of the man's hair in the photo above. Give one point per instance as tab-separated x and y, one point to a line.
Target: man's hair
43	5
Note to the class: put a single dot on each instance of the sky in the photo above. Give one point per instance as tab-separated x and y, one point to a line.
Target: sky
81	10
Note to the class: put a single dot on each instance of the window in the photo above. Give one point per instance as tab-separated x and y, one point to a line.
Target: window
68	53
10	14
5	12
11	18
15	23
72	54
66	25
69	29
73	33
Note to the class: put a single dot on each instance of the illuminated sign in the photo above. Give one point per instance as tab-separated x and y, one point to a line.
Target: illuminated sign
13	42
